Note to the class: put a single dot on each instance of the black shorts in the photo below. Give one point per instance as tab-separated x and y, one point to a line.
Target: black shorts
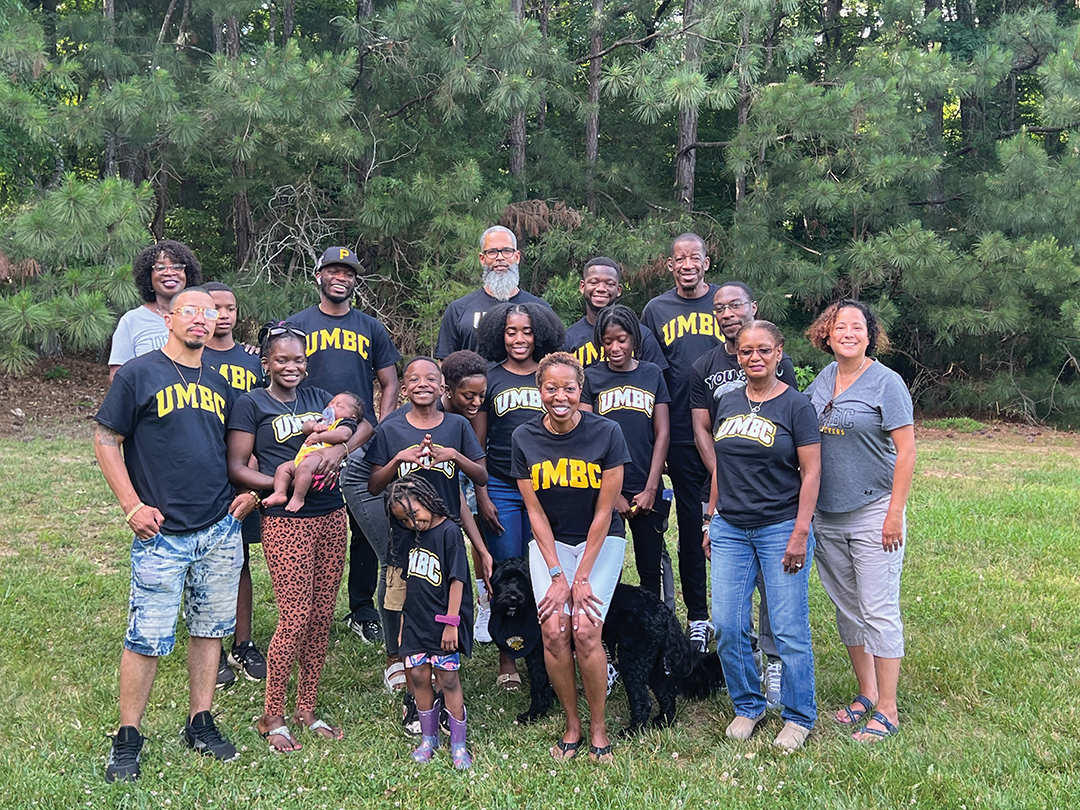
251	529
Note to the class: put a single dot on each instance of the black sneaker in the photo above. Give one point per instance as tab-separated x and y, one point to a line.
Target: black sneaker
410	716
247	658
123	763
225	676
370	632
201	734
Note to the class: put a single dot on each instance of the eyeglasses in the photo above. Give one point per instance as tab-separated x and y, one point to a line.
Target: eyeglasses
765	353
189	311
165	268
734	305
505	252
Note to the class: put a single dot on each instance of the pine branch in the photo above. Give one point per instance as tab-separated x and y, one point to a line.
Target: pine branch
408	104
702	145
1037	130
640	41
953	198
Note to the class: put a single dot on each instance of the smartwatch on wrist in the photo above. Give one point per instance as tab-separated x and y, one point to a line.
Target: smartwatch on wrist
555	572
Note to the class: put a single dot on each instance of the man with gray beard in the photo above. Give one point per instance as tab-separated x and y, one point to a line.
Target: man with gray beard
499	257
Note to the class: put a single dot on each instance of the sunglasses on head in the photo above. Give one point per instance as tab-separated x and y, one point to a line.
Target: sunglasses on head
281	328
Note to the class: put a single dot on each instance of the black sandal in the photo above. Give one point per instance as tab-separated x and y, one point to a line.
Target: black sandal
569	750
596	752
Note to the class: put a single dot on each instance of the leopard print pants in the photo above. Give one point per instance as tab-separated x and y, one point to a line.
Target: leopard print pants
306	557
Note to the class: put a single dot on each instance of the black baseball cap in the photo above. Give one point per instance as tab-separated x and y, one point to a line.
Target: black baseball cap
339	255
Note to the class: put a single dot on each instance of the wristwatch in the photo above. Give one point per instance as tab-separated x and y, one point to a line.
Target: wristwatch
555	572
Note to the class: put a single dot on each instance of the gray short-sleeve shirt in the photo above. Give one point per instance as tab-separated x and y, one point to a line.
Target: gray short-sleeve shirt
139	332
857	451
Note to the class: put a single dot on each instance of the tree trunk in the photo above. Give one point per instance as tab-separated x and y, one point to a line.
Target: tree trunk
541	111
592	120
971	111
830	19
165	24
219	40
272	24
288	21
48	25
744	108
243	225
935	132
517	120
686	161
111	141
161	197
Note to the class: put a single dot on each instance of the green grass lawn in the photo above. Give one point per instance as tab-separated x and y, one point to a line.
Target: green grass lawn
988	691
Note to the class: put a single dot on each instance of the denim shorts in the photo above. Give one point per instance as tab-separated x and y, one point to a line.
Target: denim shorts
447	663
203	567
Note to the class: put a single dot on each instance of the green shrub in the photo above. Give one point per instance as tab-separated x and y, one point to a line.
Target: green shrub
961	424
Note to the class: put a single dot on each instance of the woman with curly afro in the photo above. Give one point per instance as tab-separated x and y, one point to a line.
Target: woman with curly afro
160	272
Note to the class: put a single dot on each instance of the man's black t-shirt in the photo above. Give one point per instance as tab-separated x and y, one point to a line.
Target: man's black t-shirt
629	398
344	352
579	342
512	400
457	330
436	558
757	461
686	329
278	438
172	419
242	371
716	372
566	471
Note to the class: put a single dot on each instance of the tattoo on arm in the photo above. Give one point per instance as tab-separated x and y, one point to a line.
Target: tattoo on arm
106	437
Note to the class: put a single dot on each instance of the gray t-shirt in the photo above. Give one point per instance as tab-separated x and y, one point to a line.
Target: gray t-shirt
139	332
857	453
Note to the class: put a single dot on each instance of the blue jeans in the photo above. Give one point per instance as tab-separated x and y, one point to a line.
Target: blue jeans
517	531
737	556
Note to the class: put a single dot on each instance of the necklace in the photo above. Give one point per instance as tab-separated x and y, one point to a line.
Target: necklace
283	403
183	379
840	377
551	426
755	408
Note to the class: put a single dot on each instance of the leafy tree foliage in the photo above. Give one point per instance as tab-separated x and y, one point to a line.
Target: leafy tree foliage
916	153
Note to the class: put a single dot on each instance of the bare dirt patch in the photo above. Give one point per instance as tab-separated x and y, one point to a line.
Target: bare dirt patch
58	397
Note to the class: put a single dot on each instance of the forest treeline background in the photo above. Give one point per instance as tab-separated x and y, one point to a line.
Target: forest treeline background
914	153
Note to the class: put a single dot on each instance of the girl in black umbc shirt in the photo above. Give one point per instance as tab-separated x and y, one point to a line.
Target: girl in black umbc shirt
569	468
633	393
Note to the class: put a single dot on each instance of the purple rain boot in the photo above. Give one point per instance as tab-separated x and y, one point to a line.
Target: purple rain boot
429	728
458	749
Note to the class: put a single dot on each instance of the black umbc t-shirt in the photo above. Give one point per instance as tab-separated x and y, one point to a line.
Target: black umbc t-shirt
344	352
512	400
566	471
278	438
242	371
579	342
629	398
757	461
436	558
174	438
716	372
686	329
457	330
396	434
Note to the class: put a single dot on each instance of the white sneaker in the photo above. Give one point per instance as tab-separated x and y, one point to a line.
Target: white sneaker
701	632
772	683
483	614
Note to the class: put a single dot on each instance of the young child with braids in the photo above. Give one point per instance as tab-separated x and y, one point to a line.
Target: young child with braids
436	619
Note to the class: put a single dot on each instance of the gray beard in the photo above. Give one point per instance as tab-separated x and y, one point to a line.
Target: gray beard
502	285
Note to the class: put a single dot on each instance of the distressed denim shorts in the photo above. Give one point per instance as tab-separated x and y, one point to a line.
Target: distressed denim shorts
203	567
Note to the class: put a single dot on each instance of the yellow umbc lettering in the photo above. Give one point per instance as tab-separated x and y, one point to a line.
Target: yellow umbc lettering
695	323
566	472
177	397
338	338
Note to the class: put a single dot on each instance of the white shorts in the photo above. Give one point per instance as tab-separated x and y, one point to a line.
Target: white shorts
604	575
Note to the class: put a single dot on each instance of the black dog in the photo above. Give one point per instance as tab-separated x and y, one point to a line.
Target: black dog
650	650
515	629
644	637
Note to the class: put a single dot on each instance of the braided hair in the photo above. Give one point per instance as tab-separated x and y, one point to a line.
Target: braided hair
404	492
623	317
